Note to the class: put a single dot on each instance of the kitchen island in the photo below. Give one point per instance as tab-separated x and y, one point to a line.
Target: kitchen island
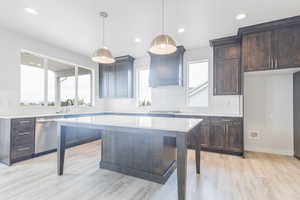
139	146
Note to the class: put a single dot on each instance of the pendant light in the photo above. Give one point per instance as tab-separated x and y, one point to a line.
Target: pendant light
163	44
103	55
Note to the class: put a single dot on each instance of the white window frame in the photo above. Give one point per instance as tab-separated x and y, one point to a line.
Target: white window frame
57	101
187	82
138	69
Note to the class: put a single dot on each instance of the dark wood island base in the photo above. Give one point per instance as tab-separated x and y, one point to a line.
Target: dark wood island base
151	151
146	156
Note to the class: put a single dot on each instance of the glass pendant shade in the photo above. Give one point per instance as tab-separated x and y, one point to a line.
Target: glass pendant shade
103	56
163	45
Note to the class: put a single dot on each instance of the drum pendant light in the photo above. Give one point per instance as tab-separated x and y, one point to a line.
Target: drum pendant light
163	44
103	55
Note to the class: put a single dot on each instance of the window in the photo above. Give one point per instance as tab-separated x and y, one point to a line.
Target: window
66	84
51	87
84	86
144	91
32	89
197	87
55	84
31	92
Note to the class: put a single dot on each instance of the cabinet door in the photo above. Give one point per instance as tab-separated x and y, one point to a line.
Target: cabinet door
227	77
257	51
124	80
287	47
166	69
234	136
106	80
204	133
229	51
217	135
296	98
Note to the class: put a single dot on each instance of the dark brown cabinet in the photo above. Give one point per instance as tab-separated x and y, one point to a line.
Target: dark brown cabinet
297	114
221	134
257	51
272	45
166	69
217	134
227	77
287	47
116	80
22	139
234	138
107	80
204	133
226	66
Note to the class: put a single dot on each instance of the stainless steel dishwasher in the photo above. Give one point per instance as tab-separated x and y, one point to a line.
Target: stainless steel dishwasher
45	134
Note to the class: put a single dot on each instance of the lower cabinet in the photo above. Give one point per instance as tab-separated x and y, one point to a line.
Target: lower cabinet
234	136
217	134
22	139
221	134
205	135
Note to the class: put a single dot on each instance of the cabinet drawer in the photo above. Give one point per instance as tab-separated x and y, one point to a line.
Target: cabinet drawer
25	124
20	151
23	137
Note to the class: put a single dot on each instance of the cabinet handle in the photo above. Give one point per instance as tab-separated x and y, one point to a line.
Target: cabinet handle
25	122
276	63
226	130
272	62
24	133
24	149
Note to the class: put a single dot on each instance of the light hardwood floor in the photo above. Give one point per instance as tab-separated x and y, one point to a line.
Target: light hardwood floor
223	177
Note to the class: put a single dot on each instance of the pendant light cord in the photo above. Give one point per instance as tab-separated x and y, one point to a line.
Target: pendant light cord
103	31
164	16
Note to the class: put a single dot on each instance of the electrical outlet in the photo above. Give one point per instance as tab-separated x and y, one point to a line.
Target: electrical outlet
254	135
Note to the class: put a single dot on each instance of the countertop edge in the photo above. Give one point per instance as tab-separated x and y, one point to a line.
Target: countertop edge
120	113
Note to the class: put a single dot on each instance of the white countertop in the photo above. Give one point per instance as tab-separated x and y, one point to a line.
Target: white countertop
18	116
140	122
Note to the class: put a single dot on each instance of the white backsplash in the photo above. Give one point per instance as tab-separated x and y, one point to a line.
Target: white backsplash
173	97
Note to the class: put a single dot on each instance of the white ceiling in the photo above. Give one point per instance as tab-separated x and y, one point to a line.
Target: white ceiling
75	25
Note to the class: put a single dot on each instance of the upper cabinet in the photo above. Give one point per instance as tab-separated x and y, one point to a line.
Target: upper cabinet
106	80
116	80
287	47
167	69
226	66
257	51
272	45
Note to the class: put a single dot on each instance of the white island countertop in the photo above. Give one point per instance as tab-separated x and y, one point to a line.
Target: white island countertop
181	114
139	122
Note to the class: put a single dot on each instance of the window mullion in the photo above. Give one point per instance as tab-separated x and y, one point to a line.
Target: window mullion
91	88
45	64
76	86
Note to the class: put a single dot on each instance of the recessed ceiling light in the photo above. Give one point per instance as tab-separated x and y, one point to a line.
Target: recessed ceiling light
137	40
181	30
241	16
31	11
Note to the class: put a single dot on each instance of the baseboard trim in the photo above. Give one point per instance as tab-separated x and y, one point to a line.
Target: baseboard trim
161	179
271	151
218	151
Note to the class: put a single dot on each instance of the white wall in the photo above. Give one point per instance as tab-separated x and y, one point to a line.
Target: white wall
11	45
269	110
174	97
